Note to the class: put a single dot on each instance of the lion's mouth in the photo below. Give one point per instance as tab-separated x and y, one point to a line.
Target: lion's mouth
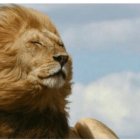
59	73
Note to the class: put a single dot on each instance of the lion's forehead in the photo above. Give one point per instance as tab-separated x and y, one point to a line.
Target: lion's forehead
44	36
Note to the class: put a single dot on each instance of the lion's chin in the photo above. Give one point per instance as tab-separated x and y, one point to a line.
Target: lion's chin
53	82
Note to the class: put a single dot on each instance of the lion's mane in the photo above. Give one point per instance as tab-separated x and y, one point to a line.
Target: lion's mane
27	110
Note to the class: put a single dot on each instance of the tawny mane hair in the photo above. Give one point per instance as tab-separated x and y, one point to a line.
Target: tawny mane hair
21	95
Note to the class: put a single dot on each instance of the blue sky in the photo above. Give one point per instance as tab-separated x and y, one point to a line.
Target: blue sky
104	42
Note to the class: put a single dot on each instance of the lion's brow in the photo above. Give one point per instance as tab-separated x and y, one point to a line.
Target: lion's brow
53	37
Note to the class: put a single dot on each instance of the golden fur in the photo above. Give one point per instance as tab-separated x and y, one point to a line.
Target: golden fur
28	42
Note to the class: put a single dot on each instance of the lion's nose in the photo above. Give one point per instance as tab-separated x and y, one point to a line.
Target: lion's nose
61	58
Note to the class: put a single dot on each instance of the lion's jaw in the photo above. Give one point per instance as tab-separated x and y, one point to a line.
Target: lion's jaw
52	78
56	79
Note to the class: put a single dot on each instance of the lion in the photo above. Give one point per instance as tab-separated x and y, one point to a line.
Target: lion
35	79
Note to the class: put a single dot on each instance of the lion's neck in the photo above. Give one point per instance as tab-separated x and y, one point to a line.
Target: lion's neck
39	114
30	98
55	99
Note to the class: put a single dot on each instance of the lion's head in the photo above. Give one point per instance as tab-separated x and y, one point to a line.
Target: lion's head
35	69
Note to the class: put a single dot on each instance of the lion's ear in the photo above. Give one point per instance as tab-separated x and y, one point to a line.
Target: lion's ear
91	128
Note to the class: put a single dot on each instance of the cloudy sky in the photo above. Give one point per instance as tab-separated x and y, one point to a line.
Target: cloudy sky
104	42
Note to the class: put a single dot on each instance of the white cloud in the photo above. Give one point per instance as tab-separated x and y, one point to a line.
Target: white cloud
114	99
104	34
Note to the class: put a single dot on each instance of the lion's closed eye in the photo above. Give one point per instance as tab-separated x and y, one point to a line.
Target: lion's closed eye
37	43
